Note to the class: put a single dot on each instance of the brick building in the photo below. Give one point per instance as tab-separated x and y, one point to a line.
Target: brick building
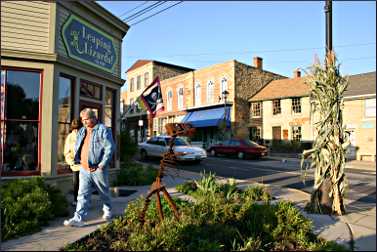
139	76
197	97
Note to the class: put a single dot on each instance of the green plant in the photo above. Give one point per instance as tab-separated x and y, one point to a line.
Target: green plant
187	188
27	204
257	193
207	184
135	174
329	150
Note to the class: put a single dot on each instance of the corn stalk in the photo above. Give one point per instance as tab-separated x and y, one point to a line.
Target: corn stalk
328	154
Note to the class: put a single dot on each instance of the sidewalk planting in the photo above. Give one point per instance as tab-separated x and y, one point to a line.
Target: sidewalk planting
220	218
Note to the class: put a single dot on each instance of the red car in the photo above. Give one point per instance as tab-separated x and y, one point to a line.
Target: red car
242	148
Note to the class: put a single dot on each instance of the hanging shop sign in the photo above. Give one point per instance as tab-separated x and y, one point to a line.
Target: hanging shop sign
87	44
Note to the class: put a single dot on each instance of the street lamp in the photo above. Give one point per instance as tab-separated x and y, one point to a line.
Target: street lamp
225	95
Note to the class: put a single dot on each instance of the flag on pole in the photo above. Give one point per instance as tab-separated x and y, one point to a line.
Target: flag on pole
152	97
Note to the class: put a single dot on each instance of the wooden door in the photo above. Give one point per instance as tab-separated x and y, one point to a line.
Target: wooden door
276	133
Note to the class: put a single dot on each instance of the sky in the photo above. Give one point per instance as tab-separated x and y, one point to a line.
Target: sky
286	34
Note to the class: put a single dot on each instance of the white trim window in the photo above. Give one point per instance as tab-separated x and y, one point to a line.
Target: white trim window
296	105
223	86
169	95
370	107
296	133
256	109
197	94
210	89
180	97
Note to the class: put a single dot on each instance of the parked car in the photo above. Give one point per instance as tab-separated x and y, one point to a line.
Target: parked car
242	148
157	146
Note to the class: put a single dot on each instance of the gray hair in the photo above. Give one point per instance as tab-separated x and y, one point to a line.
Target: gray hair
89	112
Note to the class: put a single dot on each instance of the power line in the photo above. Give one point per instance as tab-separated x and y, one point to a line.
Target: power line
156	13
265	51
143	11
129	11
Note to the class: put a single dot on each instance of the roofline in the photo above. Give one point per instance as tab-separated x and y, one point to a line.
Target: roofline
355	97
279	98
169	64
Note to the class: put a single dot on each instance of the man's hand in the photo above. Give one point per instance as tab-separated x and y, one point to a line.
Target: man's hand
93	168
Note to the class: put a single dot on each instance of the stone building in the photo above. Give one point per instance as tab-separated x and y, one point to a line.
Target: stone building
139	76
57	57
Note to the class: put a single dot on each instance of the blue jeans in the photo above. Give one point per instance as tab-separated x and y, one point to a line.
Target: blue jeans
88	180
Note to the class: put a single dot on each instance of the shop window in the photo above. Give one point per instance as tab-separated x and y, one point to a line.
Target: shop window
197	94
65	113
146	79
180	98
132	85
90	90
276	109
370	107
256	109
296	105
169	100
210	88
20	121
138	82
296	133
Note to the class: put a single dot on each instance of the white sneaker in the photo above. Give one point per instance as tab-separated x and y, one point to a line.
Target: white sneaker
74	223
107	216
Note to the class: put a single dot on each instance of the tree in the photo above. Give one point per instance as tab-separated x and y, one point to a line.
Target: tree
328	154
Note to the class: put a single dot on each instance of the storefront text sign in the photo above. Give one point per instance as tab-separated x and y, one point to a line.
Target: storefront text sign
87	44
298	121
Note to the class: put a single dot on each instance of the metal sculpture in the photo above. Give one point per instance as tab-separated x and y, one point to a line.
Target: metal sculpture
169	160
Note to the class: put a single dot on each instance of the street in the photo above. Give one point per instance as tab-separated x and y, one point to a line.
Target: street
360	195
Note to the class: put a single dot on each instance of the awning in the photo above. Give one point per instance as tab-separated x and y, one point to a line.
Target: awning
207	117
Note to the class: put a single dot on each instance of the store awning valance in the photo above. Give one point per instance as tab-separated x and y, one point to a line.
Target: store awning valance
207	117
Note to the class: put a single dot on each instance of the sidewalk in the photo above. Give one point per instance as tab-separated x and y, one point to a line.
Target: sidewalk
359	228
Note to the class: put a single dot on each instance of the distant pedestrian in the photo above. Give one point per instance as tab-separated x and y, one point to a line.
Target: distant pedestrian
93	151
69	154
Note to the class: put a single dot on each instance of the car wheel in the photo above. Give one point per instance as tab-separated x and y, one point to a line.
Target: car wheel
241	155
213	153
143	155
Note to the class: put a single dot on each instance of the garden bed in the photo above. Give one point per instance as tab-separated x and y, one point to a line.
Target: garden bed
221	218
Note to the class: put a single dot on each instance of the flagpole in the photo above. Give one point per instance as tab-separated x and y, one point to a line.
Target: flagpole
150	124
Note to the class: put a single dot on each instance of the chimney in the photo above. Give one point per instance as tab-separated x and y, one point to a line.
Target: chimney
296	73
258	63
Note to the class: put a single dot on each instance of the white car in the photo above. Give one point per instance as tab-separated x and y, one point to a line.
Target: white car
158	145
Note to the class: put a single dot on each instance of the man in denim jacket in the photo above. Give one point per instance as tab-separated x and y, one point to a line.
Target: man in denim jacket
93	151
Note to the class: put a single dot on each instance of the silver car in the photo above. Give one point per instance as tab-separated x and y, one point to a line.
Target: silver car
157	146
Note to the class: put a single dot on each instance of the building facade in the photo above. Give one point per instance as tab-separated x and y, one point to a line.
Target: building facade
139	76
197	97
282	111
57	58
359	116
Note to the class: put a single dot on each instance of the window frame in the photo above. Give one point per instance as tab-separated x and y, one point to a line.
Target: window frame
296	105
254	110
64	168
180	98
210	91
294	133
169	100
4	119
146	79
138	82
367	108
132	83
93	84
276	106
198	94
222	89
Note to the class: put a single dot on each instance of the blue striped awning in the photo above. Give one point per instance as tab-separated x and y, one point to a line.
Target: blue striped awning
207	117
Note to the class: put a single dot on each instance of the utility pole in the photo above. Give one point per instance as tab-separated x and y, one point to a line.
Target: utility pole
328	13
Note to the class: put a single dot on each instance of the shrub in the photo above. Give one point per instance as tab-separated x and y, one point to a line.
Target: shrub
134	174
27	204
